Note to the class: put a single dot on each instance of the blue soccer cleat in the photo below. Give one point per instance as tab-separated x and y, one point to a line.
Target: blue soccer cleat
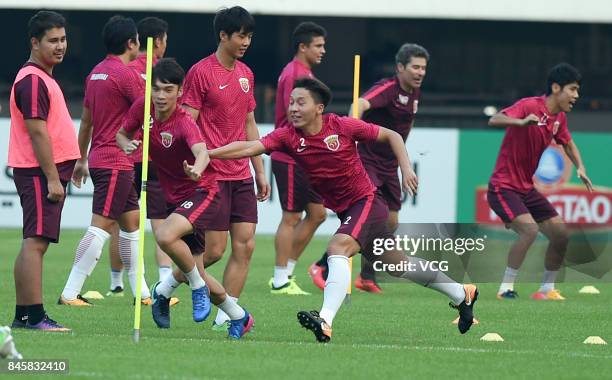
201	303
507	295
160	308
241	326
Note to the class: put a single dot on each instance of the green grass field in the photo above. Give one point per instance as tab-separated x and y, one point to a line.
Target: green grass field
405	333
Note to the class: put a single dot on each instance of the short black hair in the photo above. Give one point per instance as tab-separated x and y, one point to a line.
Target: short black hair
43	21
407	51
116	33
153	27
562	74
168	71
318	90
232	20
305	32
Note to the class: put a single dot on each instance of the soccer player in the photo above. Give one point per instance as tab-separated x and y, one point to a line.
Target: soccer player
192	195
531	125
219	95
42	152
294	191
110	89
391	103
324	146
157	29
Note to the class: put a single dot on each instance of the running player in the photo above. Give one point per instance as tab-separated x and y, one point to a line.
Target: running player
42	152
219	95
391	103
192	194
294	191
110	89
531	125
324	146
157	29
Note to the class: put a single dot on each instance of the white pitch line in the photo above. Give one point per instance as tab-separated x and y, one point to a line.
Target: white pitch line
385	346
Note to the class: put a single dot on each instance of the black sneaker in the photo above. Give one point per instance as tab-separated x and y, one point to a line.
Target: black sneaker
160	309
466	314
19	323
312	321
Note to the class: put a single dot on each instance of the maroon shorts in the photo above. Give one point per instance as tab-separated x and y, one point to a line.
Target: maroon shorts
365	220
114	192
387	183
201	210
294	189
239	204
508	204
156	202
41	217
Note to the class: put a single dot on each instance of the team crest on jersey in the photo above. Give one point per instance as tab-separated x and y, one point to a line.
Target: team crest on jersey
415	106
332	142
403	99
556	127
166	139
244	84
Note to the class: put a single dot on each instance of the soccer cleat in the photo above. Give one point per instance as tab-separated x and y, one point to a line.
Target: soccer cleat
117	292
19	323
295	288
48	324
507	295
466	314
7	345
174	301
369	286
160	309
223	327
551	295
146	301
239	327
312	321
280	290
316	273
201	303
78	301
456	321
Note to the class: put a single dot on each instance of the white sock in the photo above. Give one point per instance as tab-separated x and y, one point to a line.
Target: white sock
338	280
164	271
436	280
222	317
128	250
508	280
195	280
167	286
280	277
548	281
290	267
231	309
116	279
87	254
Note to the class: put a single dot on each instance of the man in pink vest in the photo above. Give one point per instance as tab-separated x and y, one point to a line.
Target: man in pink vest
43	150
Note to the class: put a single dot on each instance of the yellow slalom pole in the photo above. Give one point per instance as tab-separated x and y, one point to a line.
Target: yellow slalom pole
355	114
143	190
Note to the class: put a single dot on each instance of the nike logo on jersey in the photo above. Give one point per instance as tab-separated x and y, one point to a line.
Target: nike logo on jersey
221	87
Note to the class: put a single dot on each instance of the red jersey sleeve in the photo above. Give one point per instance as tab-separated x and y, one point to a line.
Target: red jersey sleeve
563	135
518	110
32	97
378	95
194	89
132	121
276	140
191	132
359	130
252	102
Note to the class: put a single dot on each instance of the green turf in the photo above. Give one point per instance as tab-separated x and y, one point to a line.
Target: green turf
405	333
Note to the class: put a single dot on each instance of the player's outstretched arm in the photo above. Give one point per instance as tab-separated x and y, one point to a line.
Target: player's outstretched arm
201	162
125	142
238	149
363	105
263	187
502	120
410	181
572	151
81	172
